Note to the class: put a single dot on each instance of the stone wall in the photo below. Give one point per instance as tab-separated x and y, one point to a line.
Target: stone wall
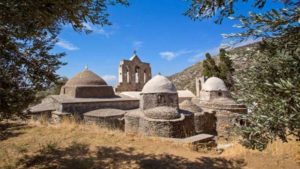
111	122
151	100
210	95
177	128
132	121
96	91
225	123
205	122
89	106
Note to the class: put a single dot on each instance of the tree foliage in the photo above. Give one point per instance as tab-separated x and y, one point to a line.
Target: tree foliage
210	67
223	70
53	89
270	85
28	33
271	89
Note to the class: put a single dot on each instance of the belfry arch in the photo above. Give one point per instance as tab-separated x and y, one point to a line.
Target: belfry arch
133	74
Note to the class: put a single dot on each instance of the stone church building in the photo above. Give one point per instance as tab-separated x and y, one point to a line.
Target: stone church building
145	105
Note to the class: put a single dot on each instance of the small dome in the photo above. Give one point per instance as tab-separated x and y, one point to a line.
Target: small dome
85	78
159	84
214	84
162	112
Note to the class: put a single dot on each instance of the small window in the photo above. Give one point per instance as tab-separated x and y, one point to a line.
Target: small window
159	99
220	93
137	74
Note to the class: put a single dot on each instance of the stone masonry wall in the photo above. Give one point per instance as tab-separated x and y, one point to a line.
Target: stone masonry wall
151	100
165	128
89	106
133	75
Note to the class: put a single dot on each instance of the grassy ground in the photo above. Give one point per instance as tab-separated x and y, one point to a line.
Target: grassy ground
68	145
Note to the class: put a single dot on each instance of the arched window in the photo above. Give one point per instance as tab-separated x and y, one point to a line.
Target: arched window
127	75
219	93
200	84
145	76
137	74
159	99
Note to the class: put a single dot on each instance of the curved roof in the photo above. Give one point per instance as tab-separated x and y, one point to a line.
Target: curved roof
214	84
159	84
85	78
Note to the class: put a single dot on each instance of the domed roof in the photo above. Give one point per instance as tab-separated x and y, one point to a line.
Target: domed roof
214	84
85	78
159	84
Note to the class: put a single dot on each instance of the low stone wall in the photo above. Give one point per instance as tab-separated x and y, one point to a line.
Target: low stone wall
111	122
46	115
205	122
189	123
176	128
132	121
83	107
225	123
234	108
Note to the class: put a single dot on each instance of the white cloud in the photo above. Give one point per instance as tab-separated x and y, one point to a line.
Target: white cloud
66	45
169	55
110	79
137	45
98	30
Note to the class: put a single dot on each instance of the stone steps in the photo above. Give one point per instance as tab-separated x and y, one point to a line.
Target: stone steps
199	138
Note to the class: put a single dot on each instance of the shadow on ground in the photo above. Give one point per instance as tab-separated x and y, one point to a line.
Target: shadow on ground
10	129
80	156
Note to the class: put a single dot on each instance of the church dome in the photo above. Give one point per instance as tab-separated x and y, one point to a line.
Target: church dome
85	78
214	84
159	84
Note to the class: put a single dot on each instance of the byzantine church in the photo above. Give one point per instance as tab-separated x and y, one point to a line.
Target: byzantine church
145	105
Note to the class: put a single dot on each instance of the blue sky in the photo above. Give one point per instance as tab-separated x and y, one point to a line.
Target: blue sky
157	29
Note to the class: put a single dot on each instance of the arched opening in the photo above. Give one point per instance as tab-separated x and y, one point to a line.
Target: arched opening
158	99
200	85
145	76
127	75
219	93
137	74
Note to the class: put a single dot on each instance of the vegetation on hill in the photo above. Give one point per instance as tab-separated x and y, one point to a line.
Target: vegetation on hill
186	78
223	70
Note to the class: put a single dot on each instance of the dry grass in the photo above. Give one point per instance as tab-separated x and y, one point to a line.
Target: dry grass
71	145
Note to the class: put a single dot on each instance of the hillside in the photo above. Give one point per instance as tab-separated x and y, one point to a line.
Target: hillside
186	78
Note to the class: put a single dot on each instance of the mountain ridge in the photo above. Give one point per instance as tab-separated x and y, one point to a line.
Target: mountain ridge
186	78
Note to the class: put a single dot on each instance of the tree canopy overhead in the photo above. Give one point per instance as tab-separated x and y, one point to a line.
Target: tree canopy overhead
28	33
